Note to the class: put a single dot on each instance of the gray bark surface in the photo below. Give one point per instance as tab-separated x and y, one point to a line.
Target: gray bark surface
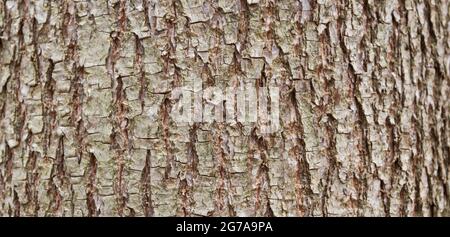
85	126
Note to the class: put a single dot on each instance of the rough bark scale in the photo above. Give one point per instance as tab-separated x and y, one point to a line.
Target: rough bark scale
85	101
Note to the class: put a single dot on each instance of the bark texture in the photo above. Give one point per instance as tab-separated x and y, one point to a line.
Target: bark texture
85	102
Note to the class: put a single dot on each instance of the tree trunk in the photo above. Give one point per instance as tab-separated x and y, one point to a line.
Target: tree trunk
86	104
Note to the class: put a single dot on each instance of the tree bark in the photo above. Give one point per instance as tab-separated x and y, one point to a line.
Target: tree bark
85	104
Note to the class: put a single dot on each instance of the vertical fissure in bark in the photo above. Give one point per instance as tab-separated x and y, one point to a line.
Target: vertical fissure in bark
77	117
120	144
91	187
165	120
262	182
224	191
302	173
139	49
146	186
32	184
57	181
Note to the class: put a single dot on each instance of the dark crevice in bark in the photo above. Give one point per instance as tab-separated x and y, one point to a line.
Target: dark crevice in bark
16	203
192	153
120	144
184	192
3	100
165	120
262	182
364	169
20	111
146	187
365	151
138	63
77	110
394	168
333	166
58	180
169	62
417	162
49	113
32	183
243	25
91	188
224	190
302	174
